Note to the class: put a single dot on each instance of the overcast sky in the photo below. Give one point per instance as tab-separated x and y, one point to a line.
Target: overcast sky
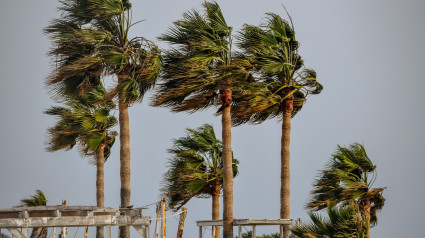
369	55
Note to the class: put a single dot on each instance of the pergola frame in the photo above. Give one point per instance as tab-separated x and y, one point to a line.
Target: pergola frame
18	219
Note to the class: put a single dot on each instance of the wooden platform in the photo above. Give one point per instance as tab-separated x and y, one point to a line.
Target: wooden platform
246	222
18	219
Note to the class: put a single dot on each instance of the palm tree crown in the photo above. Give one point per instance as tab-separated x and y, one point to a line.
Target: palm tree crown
200	66
195	168
278	72
83	124
91	40
347	178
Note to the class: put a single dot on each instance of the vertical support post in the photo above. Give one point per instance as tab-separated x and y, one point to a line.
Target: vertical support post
54	232
158	214
63	233
164	229
85	233
24	231
181	223
109	231
239	231
200	231
147	228
254	231
281	231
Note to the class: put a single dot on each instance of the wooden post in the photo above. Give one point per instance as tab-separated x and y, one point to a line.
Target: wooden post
147	229
200	231
158	215
254	231
181	223
281	231
240	231
54	232
164	230
109	231
85	233
63	233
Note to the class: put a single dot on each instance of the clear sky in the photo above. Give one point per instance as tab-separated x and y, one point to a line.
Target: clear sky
367	54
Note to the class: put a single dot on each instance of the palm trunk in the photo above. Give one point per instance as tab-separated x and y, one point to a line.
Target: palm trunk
287	108
365	210
124	159
227	165
39	232
100	185
216	210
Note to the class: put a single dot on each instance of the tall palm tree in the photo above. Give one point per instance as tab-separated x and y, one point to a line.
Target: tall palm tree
342	221
278	88
36	200
349	177
89	126
91	40
200	71
196	170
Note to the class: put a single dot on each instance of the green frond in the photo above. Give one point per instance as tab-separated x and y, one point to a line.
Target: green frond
195	168
39	199
348	178
273	51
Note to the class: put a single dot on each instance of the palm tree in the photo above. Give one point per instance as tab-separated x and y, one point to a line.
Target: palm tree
91	40
36	200
200	71
349	177
89	126
278	88
343	221
196	170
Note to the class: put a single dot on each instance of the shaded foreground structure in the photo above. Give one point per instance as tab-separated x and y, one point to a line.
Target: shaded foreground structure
17	220
247	222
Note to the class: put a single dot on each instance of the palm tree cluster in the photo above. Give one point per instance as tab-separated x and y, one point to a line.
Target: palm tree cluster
344	187
91	43
265	79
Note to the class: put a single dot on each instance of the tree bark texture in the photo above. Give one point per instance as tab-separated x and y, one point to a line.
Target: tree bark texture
227	165
285	178
100	185
124	159
216	210
365	210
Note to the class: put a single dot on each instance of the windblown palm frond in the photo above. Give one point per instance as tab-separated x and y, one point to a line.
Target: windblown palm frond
349	177
83	123
195	168
279	72
39	199
341	222
201	64
91	40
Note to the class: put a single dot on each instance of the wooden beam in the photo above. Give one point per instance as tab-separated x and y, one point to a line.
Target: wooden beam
74	221
246	222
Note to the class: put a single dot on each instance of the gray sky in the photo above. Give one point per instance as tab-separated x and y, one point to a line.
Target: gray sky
368	55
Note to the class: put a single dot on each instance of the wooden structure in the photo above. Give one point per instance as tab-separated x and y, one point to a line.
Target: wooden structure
246	222
18	219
